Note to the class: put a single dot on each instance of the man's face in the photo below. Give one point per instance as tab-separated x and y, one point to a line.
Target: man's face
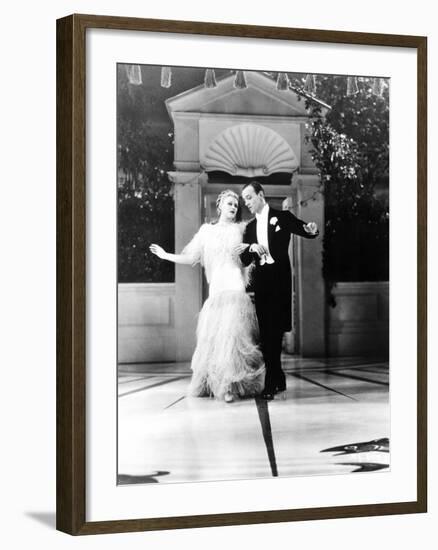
253	201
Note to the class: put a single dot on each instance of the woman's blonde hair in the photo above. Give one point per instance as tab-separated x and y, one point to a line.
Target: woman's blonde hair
221	197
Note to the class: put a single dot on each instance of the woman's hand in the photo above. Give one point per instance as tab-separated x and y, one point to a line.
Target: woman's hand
238	249
158	251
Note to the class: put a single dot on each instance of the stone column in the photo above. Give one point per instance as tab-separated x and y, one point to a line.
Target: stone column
188	280
310	279
290	341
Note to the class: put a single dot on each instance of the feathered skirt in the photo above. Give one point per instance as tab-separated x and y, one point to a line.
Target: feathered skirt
227	358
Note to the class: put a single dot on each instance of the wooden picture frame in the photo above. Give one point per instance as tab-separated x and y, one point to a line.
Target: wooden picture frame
71	273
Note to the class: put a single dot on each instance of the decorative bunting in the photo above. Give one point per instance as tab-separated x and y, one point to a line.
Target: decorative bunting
210	79
310	84
166	77
352	87
240	80
282	82
133	72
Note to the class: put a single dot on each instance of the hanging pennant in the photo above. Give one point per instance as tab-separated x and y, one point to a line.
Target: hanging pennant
377	86
282	82
210	79
310	84
352	87
133	72
166	77
240	80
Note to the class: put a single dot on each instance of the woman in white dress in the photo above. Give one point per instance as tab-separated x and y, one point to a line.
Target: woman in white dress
227	361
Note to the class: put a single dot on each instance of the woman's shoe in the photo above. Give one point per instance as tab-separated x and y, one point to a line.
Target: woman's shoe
228	397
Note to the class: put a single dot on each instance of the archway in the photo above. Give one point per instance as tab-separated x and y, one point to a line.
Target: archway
258	131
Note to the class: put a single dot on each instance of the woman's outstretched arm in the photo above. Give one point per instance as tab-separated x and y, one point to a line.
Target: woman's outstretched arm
175	258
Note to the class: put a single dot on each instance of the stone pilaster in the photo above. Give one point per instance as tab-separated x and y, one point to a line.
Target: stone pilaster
311	285
188	280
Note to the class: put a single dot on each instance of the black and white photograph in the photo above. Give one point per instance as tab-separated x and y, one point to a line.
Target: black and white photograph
252	274
219	275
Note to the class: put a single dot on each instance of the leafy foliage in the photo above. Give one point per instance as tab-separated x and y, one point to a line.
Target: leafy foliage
145	197
351	150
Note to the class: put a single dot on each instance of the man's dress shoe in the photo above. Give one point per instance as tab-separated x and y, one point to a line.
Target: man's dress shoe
267	395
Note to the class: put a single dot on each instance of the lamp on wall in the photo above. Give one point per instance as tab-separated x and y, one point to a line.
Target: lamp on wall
352	87
282	82
210	79
133	72
310	84
377	87
240	80
166	77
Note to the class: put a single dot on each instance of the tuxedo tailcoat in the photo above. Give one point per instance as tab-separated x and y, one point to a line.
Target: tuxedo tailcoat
272	285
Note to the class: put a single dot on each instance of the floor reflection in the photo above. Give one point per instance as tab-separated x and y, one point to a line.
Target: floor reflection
340	406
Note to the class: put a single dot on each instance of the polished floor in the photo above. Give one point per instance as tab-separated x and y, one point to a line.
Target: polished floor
333	419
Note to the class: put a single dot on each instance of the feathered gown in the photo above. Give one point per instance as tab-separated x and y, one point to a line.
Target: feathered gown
226	357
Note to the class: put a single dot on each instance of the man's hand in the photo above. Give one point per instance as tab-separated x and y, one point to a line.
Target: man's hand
259	249
311	228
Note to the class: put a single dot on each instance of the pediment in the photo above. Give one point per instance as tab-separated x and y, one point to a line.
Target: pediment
261	97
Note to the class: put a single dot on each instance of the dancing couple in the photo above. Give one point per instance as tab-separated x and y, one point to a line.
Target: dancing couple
238	347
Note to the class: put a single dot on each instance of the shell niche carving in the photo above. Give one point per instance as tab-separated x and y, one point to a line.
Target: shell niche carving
249	150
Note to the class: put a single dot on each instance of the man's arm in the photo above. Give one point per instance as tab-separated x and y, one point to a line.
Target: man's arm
299	227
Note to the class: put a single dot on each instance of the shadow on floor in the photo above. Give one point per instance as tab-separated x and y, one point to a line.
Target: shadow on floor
380	445
123	479
365	466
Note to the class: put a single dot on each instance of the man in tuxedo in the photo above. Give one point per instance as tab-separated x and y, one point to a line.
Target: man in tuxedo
268	236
